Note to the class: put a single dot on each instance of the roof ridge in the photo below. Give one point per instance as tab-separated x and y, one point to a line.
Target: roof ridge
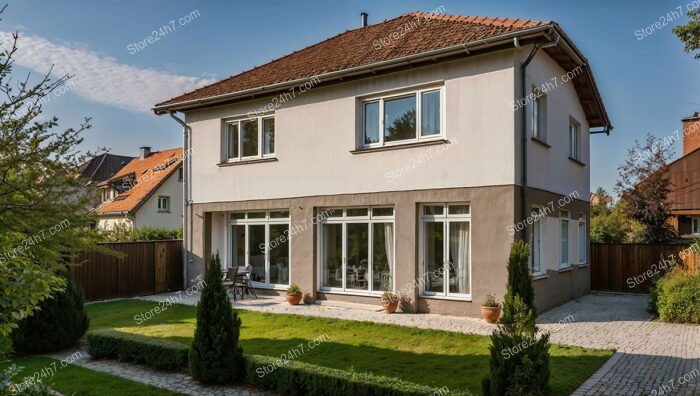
495	21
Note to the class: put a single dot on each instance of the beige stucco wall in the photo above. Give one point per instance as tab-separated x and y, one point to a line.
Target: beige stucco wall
107	223
316	132
148	214
550	169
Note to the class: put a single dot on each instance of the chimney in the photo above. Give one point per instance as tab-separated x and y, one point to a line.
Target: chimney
364	16
691	133
144	152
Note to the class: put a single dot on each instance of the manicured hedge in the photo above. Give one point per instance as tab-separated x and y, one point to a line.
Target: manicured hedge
299	379
286	378
677	297
134	348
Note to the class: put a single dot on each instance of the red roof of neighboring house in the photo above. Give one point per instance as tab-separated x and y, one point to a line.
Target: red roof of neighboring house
142	177
405	36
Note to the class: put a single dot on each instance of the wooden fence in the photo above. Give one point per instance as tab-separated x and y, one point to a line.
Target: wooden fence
629	267
148	267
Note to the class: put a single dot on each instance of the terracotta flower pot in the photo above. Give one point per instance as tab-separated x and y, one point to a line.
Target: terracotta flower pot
294	299
490	314
390	305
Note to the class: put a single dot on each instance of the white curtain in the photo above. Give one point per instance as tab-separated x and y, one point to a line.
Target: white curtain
459	249
389	244
430	113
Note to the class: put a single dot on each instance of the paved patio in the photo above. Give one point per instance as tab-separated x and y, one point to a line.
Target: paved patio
652	358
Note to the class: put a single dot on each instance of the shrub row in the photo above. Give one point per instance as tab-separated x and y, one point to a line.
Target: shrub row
297	379
134	348
676	297
290	378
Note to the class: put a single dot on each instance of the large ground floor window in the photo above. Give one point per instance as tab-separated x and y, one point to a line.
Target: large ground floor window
445	250
357	250
261	240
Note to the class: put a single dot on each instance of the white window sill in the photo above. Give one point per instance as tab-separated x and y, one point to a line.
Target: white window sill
247	161
581	265
358	293
449	298
398	146
539	276
163	211
565	269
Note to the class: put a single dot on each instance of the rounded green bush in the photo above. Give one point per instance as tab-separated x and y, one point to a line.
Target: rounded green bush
678	297
58	324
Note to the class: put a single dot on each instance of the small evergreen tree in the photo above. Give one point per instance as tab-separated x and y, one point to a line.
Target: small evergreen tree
215	356
519	359
59	322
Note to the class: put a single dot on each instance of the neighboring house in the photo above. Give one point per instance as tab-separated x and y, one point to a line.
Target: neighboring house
390	157
597	198
100	168
684	175
146	192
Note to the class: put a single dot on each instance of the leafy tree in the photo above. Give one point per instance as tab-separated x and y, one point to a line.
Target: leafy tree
643	184
690	32
601	207
59	323
519	363
215	356
123	233
42	204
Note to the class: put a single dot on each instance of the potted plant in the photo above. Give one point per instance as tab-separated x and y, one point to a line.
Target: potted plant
390	301
490	309
294	294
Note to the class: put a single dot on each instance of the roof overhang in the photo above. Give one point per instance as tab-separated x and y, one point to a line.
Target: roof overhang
565	54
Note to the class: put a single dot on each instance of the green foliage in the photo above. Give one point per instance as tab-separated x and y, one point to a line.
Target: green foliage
123	233
12	384
134	348
690	32
59	322
677	297
519	276
293	289
610	225
519	363
301	379
215	356
42	203
490	301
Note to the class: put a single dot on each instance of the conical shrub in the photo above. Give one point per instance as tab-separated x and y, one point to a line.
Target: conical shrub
215	356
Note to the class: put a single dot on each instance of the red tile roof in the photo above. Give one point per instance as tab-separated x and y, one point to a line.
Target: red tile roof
144	176
406	35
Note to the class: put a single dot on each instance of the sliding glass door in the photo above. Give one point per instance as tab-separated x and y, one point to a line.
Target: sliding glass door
357	250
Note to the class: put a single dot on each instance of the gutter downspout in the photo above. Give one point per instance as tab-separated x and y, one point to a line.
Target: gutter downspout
186	233
523	131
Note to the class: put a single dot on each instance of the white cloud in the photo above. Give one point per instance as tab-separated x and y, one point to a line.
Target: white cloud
101	78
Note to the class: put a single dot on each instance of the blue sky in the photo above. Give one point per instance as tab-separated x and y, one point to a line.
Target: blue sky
648	85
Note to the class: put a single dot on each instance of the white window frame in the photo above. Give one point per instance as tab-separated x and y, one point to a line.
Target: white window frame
165	199
344	219
582	254
266	221
564	218
693	228
261	142
538	118
538	228
417	93
574	139
446	219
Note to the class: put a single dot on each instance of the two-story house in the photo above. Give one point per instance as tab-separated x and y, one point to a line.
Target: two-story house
393	157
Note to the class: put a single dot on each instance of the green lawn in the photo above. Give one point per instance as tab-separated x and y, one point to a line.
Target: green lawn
78	381
431	357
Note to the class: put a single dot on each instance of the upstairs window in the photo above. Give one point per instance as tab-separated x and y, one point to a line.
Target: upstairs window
404	118
163	204
250	138
539	115
574	139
